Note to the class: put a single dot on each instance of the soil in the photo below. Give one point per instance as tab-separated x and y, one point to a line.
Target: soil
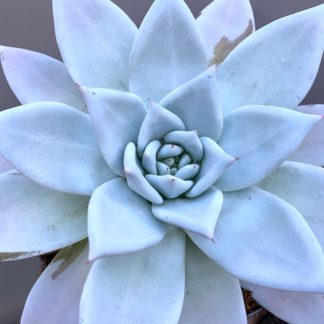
252	306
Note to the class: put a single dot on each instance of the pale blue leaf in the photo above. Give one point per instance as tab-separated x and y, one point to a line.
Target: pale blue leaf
168	50
144	287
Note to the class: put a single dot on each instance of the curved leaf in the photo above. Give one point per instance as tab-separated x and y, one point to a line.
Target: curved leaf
212	294
37	77
261	239
117	117
95	39
54	145
311	150
261	137
198	215
120	221
213	165
196	103
266	68
55	297
144	287
302	186
157	123
135	178
35	220
224	24
160	59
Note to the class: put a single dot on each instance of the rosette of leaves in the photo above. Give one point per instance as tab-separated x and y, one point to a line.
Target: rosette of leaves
179	132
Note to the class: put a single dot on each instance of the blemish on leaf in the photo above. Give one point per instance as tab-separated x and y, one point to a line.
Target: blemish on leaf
16	255
225	46
67	257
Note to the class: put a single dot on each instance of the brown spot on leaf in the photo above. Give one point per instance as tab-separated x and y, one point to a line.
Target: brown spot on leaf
16	255
67	257
225	46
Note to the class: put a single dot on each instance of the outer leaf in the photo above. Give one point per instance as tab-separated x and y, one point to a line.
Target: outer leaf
35	220
198	215
196	103
117	117
120	221
55	297
145	287
224	24
37	77
312	148
266	68
54	145
293	307
212	294
95	39
283	253
302	186
160	59
260	136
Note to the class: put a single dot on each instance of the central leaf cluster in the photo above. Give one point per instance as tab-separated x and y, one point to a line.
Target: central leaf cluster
171	164
169	161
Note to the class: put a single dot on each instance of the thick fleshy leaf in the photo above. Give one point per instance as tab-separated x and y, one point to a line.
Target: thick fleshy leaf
266	69
54	145
224	24
292	307
302	186
261	239
311	149
214	163
162	57
37	77
196	103
168	185
55	297
169	150
187	172
4	165
35	220
135	178
120	221
185	159
162	168
144	287
189	140
261	137
212	294
95	39
198	215
117	117
149	156
157	123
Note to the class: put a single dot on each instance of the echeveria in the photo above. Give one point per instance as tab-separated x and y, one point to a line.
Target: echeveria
179	132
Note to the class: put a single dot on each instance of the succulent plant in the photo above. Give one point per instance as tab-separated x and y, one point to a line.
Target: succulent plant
179	132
